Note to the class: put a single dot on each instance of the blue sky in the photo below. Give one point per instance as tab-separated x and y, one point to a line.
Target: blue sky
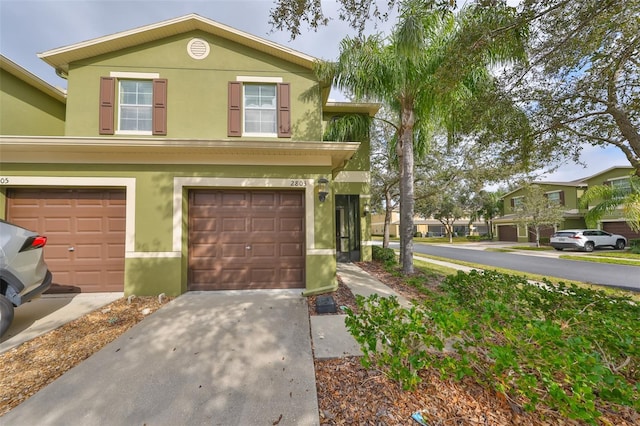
28	27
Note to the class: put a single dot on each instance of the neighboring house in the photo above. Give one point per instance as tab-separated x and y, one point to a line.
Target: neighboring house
29	105
566	194
427	227
615	222
186	155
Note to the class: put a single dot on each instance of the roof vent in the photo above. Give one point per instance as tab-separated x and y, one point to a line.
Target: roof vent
198	48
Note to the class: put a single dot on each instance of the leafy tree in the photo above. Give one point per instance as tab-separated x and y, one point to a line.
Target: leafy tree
608	198
537	211
404	71
490	207
385	176
291	15
583	80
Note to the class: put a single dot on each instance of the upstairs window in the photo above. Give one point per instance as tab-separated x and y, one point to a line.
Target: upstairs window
259	109
623	184
517	203
133	106
555	198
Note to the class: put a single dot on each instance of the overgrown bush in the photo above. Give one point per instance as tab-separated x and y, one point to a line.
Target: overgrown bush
384	255
563	346
473	237
635	245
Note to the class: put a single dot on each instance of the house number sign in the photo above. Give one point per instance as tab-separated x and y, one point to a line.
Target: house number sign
4	180
298	182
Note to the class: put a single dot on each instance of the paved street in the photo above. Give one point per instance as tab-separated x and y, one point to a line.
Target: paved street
541	263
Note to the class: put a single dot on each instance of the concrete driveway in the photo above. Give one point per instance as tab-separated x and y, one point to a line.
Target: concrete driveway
215	358
49	312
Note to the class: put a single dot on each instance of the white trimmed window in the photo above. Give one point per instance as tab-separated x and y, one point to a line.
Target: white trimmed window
135	106
260	113
554	198
623	184
518	202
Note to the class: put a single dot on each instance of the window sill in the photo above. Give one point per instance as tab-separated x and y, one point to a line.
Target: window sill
133	133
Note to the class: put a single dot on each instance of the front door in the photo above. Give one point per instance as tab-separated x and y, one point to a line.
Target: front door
347	228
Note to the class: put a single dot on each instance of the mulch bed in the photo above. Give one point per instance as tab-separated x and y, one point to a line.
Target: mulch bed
349	394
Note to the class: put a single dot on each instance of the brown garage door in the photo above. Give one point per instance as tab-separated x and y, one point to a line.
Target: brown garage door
545	232
244	239
621	228
85	230
507	233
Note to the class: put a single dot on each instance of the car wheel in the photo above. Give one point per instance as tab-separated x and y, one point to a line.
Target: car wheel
620	245
6	314
588	246
558	248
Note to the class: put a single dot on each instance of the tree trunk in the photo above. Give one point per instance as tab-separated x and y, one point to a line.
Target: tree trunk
407	202
388	210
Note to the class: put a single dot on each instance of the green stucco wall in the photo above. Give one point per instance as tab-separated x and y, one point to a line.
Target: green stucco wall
25	110
197	89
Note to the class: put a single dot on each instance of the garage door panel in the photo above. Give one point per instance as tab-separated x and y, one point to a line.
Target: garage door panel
263	250
246	218
289	249
291	199
203	224
263	199
85	228
291	224
57	225
233	199
263	225
234	251
90	225
233	224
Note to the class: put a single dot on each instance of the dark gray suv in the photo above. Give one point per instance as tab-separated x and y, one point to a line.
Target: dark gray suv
23	271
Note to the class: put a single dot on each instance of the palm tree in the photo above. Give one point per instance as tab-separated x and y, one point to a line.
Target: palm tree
405	71
609	198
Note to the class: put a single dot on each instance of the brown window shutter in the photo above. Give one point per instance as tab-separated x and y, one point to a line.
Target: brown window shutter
234	124
107	105
513	202
562	198
284	110
159	106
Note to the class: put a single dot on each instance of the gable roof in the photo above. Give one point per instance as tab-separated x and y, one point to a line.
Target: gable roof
61	57
31	79
628	168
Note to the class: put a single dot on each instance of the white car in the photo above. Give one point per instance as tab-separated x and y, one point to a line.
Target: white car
586	239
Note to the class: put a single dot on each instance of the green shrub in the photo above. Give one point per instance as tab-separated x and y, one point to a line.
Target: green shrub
545	240
384	255
473	237
562	346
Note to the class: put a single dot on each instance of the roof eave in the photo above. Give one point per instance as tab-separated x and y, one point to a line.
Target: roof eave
61	57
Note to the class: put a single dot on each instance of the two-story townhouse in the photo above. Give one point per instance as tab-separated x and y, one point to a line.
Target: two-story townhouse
614	222
191	158
566	194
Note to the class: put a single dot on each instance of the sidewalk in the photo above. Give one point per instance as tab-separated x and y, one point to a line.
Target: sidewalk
330	336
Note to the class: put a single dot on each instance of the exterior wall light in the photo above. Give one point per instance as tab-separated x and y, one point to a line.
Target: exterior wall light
366	209
323	189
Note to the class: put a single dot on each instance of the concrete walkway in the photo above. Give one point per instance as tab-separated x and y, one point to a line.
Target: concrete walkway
330	336
214	358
